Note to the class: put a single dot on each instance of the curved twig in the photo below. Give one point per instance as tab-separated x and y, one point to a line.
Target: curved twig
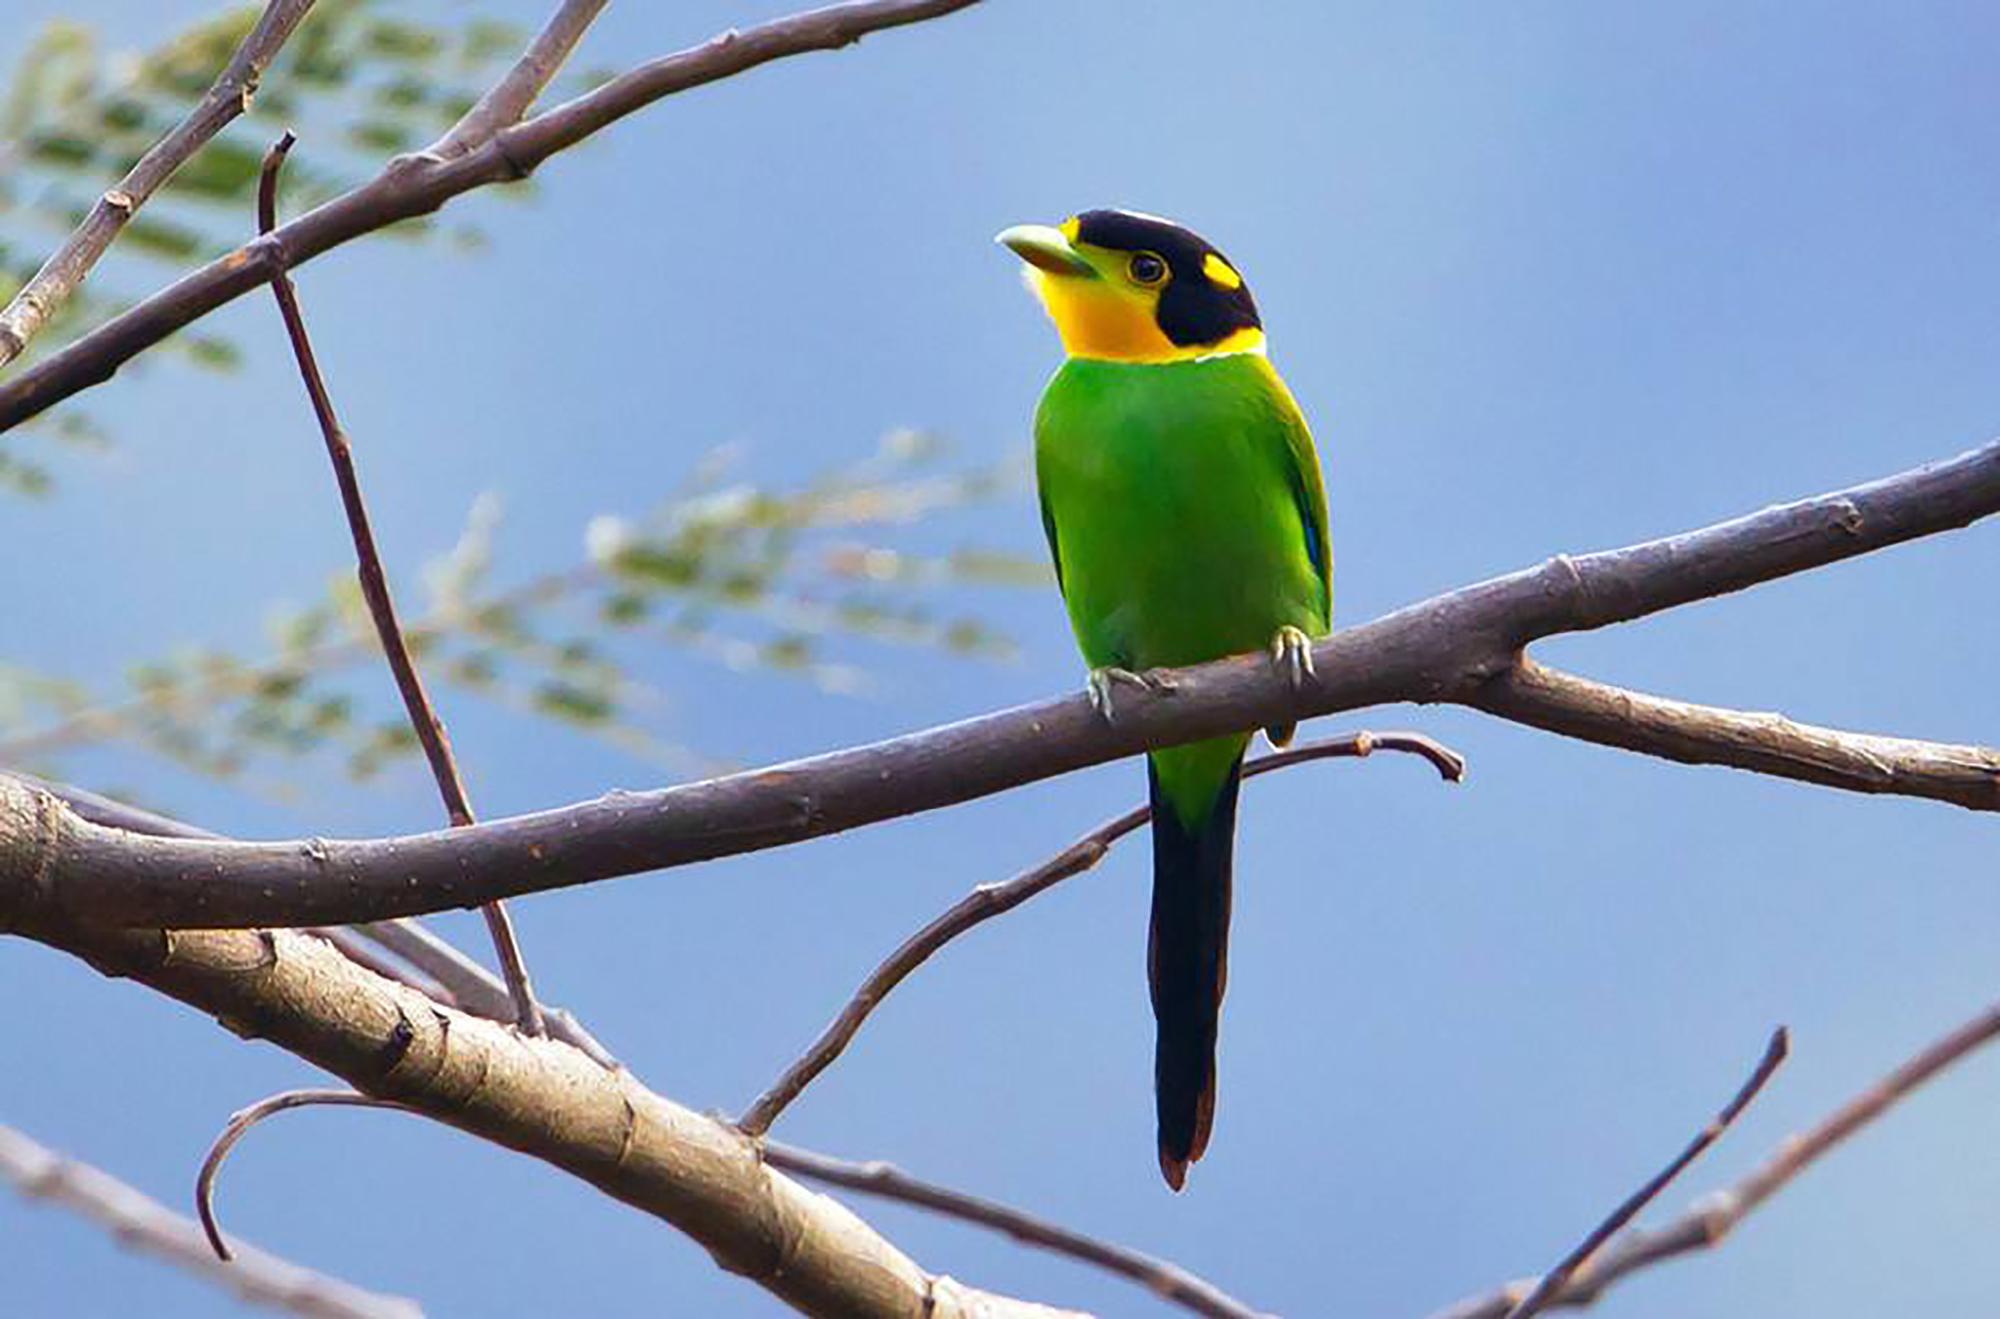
990	900
139	1221
239	1125
875	1177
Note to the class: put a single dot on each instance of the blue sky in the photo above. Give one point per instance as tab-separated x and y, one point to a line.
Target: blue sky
1547	277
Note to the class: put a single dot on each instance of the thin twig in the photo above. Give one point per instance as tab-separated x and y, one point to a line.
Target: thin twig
1558	1277
410	186
875	1177
424	719
136	1219
228	97
506	101
239	1125
990	900
1711	1220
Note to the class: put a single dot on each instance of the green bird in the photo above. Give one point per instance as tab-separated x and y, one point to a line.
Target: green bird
1187	519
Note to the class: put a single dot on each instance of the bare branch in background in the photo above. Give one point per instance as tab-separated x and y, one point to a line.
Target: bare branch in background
1448	648
137	1220
1553	1282
410	186
228	97
990	900
507	100
1159	1276
1706	1225
424	720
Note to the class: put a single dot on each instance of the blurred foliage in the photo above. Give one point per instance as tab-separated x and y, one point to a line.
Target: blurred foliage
360	80
792	582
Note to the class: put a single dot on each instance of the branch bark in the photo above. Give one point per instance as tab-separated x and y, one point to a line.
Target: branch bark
138	1220
1449	648
506	101
544	1099
229	96
416	185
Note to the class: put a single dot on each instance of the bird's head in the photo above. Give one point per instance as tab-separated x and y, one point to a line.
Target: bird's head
1127	287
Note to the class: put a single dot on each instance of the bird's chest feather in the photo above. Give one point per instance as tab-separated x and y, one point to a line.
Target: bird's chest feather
1176	525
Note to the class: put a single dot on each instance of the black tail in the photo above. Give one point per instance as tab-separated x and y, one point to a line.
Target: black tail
1187	960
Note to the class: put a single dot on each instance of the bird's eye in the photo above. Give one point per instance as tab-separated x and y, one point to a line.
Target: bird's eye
1145	268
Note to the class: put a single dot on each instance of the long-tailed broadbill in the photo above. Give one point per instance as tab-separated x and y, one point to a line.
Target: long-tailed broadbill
1186	517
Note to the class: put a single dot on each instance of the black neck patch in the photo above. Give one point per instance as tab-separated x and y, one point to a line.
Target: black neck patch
1193	309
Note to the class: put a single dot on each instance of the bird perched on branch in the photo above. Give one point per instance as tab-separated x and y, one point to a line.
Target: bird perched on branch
1185	512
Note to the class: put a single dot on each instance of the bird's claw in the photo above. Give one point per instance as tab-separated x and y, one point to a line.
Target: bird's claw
1103	680
1291	653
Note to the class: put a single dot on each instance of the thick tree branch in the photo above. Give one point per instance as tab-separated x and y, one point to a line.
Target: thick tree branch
990	900
138	1220
1448	648
540	1098
1161	1277
1704	1226
374	581
419	184
438	965
41	297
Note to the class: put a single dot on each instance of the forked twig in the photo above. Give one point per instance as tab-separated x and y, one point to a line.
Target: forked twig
990	900
875	1177
229	96
1558	1277
375	590
1706	1225
240	1123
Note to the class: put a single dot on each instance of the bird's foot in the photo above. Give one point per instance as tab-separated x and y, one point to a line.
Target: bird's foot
1291	654
1102	681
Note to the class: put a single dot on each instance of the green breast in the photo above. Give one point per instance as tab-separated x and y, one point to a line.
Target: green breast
1175	504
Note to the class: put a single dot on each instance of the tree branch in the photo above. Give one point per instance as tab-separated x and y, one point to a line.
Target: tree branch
440	966
1558	702
1704	1226
416	185
1557	1278
990	900
423	716
507	100
136	1219
1159	1276
228	97
540	1098
1448	648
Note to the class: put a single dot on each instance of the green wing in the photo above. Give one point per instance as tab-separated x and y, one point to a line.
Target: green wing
1301	466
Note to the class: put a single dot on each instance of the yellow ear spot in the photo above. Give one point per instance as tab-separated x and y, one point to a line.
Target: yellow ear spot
1220	272
1071	228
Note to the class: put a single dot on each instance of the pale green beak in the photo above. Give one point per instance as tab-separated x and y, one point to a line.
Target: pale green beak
1044	247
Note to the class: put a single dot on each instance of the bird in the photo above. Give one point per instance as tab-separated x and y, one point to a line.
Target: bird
1186	519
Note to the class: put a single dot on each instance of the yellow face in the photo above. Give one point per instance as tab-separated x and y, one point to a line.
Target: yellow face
1106	301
